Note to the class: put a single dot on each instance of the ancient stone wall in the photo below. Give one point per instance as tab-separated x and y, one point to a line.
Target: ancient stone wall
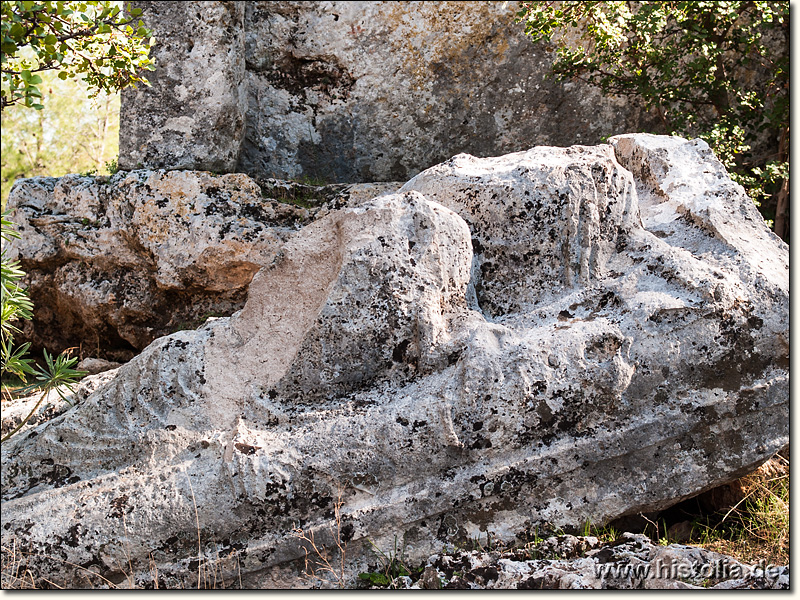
350	91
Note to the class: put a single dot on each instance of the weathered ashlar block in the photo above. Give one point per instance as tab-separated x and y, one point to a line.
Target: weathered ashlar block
537	340
349	91
193	116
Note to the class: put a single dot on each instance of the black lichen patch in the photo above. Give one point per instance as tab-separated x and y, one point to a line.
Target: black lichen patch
348	532
481	443
603	348
449	565
56	477
539	583
298	75
483	575
119	507
738	360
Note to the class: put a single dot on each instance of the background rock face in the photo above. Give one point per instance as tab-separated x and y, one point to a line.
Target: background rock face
193	116
113	264
380	362
350	91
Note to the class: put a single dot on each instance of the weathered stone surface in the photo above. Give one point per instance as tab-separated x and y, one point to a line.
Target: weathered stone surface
43	407
193	114
114	263
354	91
569	562
92	366
504	345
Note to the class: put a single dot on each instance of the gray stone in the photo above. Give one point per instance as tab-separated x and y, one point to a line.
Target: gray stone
569	562
192	116
350	91
382	383
92	366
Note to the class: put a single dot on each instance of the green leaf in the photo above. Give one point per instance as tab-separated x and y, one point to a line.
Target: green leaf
677	58
375	578
17	31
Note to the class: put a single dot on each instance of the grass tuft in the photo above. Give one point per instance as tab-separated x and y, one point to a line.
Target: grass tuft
757	527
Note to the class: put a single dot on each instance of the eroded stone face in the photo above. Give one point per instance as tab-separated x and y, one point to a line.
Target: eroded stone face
350	91
618	357
192	116
566	220
578	563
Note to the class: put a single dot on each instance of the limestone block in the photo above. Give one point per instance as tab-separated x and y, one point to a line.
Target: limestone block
379	373
192	116
114	263
350	91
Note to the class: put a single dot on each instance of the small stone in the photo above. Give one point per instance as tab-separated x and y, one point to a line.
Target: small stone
680	532
430	579
93	366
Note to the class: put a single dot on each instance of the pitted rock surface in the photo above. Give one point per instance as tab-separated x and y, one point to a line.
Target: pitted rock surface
378	363
193	113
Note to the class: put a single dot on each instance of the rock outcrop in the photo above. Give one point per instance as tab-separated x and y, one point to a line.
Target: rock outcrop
113	263
505	345
568	562
349	91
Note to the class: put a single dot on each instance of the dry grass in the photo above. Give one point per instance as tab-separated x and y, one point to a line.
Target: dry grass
320	565
17	575
757	527
14	574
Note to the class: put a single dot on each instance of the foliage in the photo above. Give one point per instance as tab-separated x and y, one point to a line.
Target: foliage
94	40
606	533
757	527
717	70
57	375
17	305
393	565
74	135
